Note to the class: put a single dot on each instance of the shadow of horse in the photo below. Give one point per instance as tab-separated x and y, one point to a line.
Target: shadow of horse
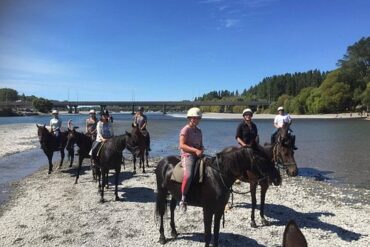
308	220
138	194
226	239
314	173
73	171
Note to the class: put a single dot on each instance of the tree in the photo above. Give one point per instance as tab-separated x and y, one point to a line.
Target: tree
366	97
42	105
8	94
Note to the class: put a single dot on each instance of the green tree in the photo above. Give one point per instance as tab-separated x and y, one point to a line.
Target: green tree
42	105
8	94
366	97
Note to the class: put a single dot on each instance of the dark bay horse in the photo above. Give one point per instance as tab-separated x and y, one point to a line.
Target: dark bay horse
255	176
213	194
293	237
110	157
141	149
283	152
49	145
84	142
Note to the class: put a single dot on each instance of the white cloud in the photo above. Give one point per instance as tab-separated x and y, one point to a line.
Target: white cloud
230	23
210	1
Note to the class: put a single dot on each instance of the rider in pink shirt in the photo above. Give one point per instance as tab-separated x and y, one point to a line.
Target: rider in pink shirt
191	145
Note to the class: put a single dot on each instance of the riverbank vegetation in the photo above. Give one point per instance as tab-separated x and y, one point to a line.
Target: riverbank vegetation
346	88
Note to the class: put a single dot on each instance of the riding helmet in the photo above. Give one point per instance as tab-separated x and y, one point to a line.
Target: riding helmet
194	112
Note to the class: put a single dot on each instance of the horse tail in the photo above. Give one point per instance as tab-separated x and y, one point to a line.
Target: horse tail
161	203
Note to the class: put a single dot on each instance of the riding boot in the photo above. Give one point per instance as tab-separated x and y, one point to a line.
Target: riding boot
293	142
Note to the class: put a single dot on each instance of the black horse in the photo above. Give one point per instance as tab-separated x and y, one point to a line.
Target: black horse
213	194
140	150
110	157
283	152
50	145
258	175
84	142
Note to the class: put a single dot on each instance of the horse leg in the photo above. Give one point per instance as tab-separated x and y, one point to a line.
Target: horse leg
118	170
142	161
80	159
146	157
207	219
50	159
107	180
98	174
216	228
173	226
134	160
71	156
160	208
103	185
253	187
264	187
62	157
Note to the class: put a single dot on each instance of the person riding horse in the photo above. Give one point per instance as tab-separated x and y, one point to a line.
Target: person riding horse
141	121
91	124
247	132
104	131
55	125
281	119
191	146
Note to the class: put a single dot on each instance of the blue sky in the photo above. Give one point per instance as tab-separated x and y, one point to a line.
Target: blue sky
168	49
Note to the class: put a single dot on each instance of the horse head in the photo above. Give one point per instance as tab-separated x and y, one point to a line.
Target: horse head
293	236
71	138
283	152
42	132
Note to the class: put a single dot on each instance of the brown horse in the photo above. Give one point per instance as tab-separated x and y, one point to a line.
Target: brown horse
141	149
213	194
49	145
293	237
255	176
283	152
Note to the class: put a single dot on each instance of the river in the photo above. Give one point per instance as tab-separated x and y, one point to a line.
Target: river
336	150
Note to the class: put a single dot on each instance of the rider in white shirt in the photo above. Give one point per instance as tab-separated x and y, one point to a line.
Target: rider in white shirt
55	125
279	121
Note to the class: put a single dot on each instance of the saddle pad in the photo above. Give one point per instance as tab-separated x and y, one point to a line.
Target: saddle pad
178	172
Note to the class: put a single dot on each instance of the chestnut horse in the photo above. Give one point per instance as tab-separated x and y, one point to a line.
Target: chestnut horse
213	194
49	145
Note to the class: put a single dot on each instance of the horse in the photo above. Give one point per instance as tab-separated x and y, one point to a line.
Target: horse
141	150
84	142
293	237
283	153
110	157
256	177
49	145
213	194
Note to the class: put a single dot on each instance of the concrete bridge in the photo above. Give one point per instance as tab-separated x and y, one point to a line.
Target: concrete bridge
164	105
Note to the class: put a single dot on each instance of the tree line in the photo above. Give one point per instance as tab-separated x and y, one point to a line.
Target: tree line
346	88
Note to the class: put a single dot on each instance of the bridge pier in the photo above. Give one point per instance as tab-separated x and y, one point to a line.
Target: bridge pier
75	109
132	109
164	109
102	108
69	107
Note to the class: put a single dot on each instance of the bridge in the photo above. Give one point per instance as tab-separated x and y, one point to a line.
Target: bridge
72	107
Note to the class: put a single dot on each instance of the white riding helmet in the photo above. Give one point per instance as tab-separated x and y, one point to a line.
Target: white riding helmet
92	111
246	111
281	108
194	112
55	112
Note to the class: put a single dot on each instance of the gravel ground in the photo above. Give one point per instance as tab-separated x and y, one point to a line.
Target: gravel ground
50	210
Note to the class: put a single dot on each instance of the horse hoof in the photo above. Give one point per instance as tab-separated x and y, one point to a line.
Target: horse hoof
49	172
102	200
134	172
162	240
174	233
266	222
117	199
70	166
253	225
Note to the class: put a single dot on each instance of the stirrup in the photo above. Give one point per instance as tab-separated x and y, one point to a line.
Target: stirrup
183	206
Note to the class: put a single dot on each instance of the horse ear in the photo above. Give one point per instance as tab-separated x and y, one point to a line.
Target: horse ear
133	125
293	236
37	126
44	125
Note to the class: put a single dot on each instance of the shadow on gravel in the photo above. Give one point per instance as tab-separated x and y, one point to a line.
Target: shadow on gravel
138	194
73	170
310	220
225	239
314	173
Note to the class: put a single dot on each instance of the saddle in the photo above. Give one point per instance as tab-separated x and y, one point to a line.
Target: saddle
198	176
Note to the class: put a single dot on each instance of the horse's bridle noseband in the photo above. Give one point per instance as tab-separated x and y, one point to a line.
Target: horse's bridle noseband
276	157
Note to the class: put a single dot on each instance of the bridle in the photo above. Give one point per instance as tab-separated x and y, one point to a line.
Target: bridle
277	158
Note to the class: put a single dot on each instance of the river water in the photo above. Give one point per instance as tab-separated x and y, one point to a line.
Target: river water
333	149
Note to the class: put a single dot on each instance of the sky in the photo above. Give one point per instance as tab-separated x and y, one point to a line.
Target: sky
146	50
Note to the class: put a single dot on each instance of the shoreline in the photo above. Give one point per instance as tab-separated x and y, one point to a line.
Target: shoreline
49	210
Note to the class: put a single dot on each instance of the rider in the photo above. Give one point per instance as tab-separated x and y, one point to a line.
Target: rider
141	121
104	131
91	123
247	133
191	145
55	125
281	119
